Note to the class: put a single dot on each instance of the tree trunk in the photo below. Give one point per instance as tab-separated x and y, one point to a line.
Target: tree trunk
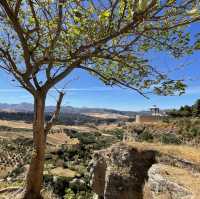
34	179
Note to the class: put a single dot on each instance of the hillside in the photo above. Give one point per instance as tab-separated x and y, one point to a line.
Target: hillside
28	107
78	155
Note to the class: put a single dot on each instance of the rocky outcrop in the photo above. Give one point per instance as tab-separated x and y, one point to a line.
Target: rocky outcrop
172	183
159	183
125	172
120	172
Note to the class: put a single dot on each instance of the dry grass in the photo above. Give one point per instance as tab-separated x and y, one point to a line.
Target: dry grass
156	127
185	178
15	124
47	194
181	151
80	128
5	184
4	171
61	172
109	127
107	115
14	135
61	138
53	139
182	177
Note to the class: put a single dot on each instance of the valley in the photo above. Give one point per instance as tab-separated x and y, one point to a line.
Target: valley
71	150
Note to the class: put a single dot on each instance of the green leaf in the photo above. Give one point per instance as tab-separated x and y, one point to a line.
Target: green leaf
75	30
31	20
197	45
104	15
143	4
169	2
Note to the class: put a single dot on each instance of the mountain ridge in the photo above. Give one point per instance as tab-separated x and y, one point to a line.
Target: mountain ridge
28	107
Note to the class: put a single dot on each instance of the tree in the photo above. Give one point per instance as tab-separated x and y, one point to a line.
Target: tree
196	108
185	111
42	42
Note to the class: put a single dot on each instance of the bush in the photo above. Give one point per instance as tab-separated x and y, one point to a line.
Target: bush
84	195
69	194
145	136
195	132
170	139
119	134
17	171
166	120
192	133
85	138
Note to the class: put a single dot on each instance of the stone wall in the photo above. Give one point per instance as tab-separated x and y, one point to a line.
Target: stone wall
147	118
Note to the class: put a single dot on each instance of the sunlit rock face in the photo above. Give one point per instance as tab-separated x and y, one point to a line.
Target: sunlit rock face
166	181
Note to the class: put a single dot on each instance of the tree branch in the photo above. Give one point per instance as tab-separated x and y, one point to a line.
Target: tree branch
17	7
113	79
18	29
51	122
11	67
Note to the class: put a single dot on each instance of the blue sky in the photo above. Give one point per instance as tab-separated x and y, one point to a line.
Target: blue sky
84	90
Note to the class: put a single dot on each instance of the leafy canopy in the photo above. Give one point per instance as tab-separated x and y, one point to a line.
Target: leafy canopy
41	42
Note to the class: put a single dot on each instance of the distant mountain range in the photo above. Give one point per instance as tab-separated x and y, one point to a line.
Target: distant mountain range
28	107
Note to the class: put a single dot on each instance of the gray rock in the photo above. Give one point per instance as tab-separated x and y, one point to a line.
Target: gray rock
159	183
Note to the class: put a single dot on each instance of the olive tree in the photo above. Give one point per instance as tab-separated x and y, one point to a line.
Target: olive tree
43	41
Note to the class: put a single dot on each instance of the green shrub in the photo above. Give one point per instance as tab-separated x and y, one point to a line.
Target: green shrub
84	195
119	134
191	133
145	136
170	139
69	194
195	132
17	171
166	120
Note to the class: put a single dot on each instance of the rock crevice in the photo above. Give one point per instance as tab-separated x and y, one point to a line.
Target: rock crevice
120	172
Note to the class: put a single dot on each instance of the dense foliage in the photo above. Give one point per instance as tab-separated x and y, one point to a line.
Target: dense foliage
109	39
186	111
